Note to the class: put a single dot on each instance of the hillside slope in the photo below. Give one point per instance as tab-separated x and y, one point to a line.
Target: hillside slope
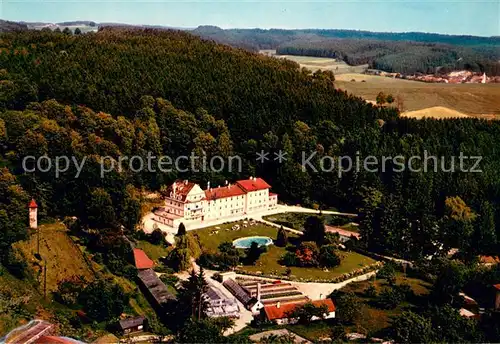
63	257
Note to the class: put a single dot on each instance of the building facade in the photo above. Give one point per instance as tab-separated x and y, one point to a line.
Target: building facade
186	201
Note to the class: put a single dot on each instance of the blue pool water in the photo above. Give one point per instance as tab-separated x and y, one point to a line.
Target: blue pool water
246	242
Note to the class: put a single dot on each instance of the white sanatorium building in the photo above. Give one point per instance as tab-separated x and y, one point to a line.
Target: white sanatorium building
186	202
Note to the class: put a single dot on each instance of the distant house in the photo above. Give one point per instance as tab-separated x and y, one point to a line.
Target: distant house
280	314
132	325
141	259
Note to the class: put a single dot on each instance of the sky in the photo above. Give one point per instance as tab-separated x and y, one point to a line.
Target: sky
472	17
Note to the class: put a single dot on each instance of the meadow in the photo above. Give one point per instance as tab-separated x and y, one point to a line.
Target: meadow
478	100
314	63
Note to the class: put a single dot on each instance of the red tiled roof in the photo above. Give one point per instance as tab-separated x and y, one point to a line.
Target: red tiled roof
253	184
273	312
226	191
142	261
497	286
342	232
272	194
33	204
489	259
182	189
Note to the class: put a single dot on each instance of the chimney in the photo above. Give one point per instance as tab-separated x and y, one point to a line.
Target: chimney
258	291
278	304
226	182
186	182
208	185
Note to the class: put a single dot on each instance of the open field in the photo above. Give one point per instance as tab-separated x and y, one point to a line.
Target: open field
435	112
155	252
64	258
478	100
315	63
268	263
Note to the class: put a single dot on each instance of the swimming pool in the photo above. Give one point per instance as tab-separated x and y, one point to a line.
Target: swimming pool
247	241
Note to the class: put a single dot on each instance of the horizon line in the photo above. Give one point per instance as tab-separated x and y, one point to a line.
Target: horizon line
253	28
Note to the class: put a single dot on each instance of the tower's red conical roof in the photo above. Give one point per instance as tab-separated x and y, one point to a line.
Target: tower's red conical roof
33	204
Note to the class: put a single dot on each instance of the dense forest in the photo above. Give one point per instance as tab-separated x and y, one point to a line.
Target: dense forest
409	52
125	92
401	56
270	39
128	92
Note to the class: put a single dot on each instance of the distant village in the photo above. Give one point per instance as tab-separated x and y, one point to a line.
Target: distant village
456	77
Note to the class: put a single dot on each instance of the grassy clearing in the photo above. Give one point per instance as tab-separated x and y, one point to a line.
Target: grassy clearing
315	63
374	320
268	263
155	252
471	99
64	258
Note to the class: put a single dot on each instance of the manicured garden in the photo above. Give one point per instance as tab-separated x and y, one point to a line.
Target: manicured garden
269	263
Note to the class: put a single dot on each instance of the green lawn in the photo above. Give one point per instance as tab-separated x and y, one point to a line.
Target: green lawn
155	252
212	241
268	263
297	220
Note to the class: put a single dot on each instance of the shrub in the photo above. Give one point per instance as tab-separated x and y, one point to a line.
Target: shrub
289	259
387	272
217	277
328	256
307	254
103	300
68	290
156	237
390	298
169	279
371	291
282	237
181	230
